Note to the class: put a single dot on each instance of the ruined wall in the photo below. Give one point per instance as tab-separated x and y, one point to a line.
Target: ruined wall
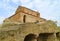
18	32
16	35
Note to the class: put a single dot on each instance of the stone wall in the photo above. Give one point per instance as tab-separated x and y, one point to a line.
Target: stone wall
18	32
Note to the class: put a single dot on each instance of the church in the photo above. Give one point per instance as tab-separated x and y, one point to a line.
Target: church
27	25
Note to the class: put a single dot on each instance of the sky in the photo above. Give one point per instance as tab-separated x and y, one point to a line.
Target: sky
48	9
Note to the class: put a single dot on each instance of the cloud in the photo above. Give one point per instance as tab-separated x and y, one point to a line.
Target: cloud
6	8
15	1
6	1
1	19
25	1
58	23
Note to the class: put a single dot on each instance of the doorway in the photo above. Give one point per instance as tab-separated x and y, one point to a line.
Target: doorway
30	37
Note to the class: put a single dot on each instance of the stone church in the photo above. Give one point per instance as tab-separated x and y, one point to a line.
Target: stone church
25	15
27	25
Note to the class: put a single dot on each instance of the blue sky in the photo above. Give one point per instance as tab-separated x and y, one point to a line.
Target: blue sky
49	9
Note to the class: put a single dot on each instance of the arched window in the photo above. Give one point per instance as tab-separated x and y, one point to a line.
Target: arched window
24	18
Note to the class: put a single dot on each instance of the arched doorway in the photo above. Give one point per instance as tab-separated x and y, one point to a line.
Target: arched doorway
30	37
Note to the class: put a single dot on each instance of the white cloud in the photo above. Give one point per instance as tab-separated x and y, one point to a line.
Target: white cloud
25	1
29	5
1	19
58	23
6	1
9	10
15	1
